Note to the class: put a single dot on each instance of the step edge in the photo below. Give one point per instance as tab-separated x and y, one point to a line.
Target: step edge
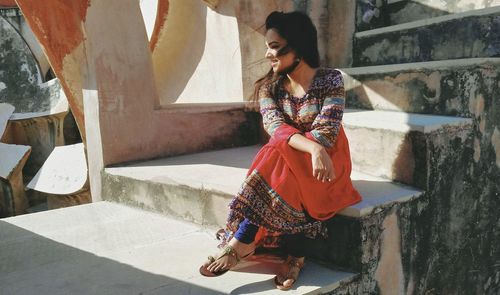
428	22
414	66
351	211
407	126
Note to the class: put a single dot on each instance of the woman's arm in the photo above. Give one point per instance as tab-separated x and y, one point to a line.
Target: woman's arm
272	116
321	162
325	129
326	126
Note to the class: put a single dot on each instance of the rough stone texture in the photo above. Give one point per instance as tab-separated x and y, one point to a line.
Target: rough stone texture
402	155
407	11
461	37
16	19
455	87
403	11
19	72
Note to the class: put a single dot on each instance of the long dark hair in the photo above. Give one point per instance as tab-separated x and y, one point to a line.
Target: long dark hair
300	33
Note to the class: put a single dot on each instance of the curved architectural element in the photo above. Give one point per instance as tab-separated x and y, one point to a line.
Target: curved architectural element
196	53
161	18
58	27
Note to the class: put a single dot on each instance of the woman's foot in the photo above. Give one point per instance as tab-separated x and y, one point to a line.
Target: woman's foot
289	272
230	255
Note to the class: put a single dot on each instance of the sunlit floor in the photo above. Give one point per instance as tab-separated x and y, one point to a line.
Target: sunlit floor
107	248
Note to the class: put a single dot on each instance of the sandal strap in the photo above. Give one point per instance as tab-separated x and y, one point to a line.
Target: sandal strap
228	250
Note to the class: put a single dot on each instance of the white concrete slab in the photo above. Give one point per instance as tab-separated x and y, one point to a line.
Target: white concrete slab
10	156
225	170
6	111
107	248
401	121
64	171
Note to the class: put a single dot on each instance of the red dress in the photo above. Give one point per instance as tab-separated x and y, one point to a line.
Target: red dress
280	194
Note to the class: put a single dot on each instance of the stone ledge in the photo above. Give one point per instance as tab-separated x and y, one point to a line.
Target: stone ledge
218	175
429	21
401	122
420	66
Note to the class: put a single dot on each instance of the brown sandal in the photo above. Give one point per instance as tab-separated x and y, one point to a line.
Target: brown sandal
226	251
294	266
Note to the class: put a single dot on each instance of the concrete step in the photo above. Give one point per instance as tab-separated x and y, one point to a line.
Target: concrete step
405	11
108	248
199	188
469	34
453	87
397	145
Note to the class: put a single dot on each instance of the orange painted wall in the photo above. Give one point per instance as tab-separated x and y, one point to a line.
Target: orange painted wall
57	25
8	3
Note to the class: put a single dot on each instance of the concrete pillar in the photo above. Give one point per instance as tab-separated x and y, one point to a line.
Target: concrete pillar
341	31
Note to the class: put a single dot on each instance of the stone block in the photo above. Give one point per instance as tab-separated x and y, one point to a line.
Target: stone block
470	34
13	199
452	87
400	12
397	145
199	187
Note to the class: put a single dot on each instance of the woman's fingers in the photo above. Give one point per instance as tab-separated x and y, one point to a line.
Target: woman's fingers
332	175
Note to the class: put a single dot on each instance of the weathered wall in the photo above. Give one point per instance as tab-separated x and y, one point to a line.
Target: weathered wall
19	71
57	26
16	19
8	3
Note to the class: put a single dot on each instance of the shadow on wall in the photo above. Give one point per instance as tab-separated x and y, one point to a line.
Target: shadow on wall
33	264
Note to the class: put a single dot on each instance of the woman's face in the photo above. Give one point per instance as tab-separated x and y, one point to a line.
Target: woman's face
274	42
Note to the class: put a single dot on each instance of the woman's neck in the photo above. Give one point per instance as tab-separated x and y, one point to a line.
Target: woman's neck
301	78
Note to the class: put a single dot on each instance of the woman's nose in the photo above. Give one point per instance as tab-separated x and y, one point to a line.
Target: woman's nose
269	54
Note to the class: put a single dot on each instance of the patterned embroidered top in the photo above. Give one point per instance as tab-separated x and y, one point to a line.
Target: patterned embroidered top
319	111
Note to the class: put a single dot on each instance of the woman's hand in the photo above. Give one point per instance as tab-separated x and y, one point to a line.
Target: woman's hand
321	162
322	165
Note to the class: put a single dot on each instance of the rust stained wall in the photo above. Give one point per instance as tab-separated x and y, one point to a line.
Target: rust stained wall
161	18
8	3
57	25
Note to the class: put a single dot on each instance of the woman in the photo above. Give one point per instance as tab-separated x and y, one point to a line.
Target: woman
302	176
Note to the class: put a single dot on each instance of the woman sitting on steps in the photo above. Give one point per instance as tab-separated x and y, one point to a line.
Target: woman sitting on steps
302	176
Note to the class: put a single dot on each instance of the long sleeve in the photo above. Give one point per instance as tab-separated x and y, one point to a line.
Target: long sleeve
272	116
326	125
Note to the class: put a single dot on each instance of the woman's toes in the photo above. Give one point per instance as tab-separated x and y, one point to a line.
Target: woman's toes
288	283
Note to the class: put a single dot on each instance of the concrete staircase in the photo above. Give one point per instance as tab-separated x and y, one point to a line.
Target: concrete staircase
408	105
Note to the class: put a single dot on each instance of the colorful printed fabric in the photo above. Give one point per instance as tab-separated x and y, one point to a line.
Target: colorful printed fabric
318	112
280	193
